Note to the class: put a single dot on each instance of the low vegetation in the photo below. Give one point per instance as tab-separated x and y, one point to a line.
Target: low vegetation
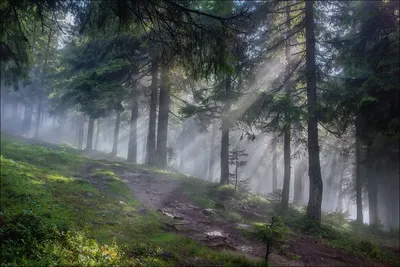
51	215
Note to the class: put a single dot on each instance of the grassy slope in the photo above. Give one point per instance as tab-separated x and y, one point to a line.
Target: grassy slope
44	189
50	215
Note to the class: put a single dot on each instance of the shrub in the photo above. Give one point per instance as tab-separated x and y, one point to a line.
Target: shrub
274	235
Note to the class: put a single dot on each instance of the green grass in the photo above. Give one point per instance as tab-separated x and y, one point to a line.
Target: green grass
51	214
338	231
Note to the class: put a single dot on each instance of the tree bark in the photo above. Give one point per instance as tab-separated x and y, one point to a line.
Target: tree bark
314	167
132	148
212	149
26	124
14	107
287	166
151	135
97	134
89	143
274	165
373	192
298	197
163	115
81	131
286	137
225	134
358	172
38	114
114	150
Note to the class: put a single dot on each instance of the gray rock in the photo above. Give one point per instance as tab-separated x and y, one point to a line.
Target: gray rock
208	212
89	194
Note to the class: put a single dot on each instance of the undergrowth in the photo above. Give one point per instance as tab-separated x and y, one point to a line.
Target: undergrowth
51	214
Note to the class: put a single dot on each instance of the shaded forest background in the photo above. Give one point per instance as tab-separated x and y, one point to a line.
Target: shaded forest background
295	98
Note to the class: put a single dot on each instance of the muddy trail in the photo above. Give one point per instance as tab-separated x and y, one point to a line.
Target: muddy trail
167	196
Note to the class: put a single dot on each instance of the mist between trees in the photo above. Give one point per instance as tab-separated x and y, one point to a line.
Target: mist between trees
299	98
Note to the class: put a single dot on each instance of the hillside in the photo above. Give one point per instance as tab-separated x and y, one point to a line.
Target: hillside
61	206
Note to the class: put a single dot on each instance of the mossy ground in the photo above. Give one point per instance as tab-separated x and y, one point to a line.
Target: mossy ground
51	215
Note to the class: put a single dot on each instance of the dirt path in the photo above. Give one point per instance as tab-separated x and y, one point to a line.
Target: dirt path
164	195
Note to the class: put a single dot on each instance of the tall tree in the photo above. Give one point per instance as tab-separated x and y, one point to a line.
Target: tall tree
151	134
314	168
163	115
132	147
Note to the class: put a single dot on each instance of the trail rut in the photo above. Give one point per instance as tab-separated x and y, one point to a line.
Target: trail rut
165	195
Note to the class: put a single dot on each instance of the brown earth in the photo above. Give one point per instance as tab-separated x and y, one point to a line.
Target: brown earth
188	219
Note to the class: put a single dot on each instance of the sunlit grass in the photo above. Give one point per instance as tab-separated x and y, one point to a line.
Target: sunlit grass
81	224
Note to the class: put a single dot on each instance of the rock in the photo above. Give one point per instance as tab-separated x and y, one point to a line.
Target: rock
89	194
122	203
243	226
178	217
208	212
166	213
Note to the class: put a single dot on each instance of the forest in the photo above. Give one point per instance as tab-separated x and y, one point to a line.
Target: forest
187	133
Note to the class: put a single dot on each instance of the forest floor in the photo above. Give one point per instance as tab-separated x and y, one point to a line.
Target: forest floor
144	216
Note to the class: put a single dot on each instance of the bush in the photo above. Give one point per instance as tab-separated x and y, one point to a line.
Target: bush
274	235
29	240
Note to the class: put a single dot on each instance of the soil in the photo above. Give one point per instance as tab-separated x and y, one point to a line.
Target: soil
188	219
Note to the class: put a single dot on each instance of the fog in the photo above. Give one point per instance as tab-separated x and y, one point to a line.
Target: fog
192	151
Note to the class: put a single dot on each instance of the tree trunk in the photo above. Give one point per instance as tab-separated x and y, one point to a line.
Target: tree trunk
163	115
151	135
286	138
314	167
14	107
81	131
287	166
26	124
298	197
89	143
61	126
38	114
97	134
373	192
236	171
274	165
225	135
358	172
132	148
114	150
341	191
212	150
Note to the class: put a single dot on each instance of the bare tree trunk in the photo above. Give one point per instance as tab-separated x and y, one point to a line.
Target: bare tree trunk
89	143
298	197
132	149
274	165
163	115
287	164
81	131
358	173
314	167
373	192
14	107
236	171
38	114
26	124
97	134
151	135
286	135
212	150
225	135
116	134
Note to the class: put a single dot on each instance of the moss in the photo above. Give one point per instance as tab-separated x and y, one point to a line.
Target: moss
69	221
